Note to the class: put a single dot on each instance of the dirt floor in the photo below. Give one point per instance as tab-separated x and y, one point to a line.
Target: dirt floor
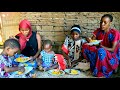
83	74
117	74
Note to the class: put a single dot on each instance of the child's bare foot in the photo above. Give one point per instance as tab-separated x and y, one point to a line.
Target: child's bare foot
89	73
40	68
45	69
34	75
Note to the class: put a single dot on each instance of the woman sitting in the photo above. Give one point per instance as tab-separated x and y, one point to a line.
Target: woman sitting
104	58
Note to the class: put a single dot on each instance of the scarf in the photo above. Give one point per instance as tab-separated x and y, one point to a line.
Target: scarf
23	39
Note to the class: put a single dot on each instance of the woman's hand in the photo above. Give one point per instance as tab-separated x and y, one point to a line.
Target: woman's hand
99	45
31	59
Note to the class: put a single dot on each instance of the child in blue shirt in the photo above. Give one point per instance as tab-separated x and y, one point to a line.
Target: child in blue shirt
46	59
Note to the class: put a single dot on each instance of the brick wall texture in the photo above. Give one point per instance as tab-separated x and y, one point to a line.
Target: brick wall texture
56	25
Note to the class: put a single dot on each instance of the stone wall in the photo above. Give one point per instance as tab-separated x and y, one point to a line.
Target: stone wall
10	21
56	25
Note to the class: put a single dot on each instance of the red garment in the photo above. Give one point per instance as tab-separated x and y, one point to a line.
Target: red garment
61	61
23	39
65	49
99	34
102	61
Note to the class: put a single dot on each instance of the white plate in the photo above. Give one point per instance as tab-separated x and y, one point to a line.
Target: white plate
68	71
94	43
27	70
22	60
51	72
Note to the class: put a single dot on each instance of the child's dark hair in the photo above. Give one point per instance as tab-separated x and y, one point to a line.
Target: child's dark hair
47	42
109	16
12	43
76	26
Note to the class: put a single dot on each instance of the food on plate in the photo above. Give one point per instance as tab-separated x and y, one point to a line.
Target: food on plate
93	41
73	71
56	72
19	72
22	59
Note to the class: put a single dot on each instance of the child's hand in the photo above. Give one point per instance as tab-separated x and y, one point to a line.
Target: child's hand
39	61
45	69
69	63
21	69
13	37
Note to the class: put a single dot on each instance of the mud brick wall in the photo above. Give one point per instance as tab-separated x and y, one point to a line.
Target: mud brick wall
9	21
56	25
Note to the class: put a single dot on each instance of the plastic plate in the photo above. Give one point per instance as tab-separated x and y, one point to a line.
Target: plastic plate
56	72
22	59
72	71
27	70
94	43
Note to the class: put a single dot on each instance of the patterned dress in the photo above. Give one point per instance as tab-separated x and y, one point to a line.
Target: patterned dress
7	61
102	61
47	59
69	47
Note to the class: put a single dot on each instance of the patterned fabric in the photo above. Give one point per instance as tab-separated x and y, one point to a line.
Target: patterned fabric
99	34
102	61
69	47
7	61
47	59
4	61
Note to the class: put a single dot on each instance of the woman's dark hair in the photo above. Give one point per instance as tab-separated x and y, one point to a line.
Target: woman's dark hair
12	43
109	16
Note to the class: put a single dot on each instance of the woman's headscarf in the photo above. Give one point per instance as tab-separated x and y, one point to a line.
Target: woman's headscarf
23	39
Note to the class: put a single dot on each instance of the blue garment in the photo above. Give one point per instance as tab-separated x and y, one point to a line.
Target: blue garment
32	64
47	59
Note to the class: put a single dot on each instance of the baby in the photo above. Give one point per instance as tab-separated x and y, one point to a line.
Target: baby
46	59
